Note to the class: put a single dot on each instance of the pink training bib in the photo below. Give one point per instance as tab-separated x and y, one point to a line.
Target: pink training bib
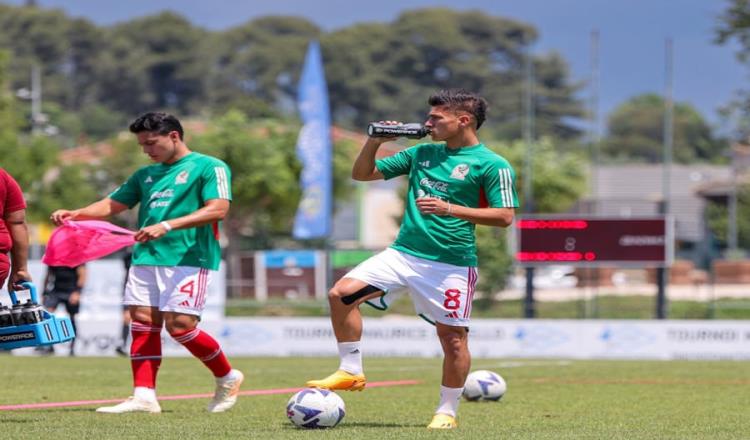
77	242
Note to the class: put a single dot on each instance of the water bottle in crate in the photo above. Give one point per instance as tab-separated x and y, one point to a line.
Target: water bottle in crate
31	324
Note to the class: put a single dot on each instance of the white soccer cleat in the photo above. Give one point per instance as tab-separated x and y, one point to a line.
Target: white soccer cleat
226	392
132	404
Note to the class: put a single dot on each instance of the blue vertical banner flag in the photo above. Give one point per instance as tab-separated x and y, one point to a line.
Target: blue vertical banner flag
313	219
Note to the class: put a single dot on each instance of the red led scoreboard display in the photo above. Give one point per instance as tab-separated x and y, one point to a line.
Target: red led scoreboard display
594	241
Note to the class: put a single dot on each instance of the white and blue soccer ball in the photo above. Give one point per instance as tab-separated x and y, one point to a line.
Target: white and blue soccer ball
315	408
484	385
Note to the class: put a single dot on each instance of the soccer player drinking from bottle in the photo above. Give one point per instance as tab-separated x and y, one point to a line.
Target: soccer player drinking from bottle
454	184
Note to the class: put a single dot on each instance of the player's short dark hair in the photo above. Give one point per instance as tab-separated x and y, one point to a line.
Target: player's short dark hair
460	99
157	122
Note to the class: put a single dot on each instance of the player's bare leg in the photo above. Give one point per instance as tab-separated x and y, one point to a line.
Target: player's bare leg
183	328
456	365
145	359
344	299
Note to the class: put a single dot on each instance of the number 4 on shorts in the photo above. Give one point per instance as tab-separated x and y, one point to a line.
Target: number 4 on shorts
187	288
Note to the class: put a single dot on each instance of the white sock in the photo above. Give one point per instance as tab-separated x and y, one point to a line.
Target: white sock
145	393
232	375
351	357
449	398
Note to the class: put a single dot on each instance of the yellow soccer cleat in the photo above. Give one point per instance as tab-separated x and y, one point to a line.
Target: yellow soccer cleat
443	421
340	380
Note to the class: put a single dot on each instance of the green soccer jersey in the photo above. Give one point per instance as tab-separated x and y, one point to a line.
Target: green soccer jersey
471	176
170	191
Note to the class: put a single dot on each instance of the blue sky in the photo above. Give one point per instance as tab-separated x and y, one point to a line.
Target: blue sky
631	46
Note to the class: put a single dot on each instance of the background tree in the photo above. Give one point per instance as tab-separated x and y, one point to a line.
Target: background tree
734	25
29	159
374	71
256	65
635	133
62	186
154	62
717	216
387	71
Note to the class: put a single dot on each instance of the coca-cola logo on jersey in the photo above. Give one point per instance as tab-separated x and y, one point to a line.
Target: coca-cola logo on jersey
434	184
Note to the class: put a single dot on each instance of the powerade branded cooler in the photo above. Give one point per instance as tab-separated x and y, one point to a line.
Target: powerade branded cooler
29	324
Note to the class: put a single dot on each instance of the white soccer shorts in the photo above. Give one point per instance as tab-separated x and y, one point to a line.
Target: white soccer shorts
179	289
440	292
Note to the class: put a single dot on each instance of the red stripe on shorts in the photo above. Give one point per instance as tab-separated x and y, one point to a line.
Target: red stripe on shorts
471	282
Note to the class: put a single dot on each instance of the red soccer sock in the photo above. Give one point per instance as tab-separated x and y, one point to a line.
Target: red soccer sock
205	348
145	353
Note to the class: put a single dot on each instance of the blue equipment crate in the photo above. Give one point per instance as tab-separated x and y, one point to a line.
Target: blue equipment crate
51	330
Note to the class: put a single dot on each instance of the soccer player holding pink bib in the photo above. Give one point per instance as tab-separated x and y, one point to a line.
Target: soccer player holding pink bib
453	185
182	198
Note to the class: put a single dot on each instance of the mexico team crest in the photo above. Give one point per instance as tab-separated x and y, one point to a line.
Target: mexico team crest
460	171
181	178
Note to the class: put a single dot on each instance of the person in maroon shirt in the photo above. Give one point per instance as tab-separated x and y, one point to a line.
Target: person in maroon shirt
14	233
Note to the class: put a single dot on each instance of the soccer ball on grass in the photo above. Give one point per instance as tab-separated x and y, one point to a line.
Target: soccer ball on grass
315	408
484	385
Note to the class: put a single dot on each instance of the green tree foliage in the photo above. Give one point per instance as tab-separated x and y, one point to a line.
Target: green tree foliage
68	51
63	186
387	71
717	216
30	160
734	25
264	171
256	65
559	179
495	262
154	62
8	118
635	133
374	71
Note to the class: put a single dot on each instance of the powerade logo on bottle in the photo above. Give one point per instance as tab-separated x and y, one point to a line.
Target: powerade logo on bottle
412	130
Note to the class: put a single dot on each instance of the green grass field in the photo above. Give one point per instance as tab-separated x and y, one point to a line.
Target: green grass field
546	399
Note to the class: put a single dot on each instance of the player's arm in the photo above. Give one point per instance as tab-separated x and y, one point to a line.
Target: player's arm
501	217
364	166
102	209
19	252
213	211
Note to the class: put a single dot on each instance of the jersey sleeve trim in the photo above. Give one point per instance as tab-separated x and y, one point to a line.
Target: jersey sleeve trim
222	183
506	188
